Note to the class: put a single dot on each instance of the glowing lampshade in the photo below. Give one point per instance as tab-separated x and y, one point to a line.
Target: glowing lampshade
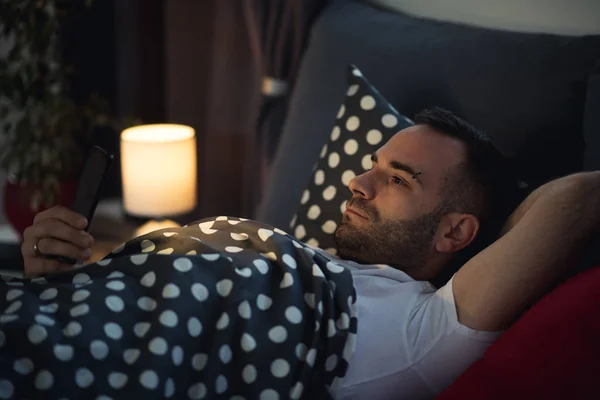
158	169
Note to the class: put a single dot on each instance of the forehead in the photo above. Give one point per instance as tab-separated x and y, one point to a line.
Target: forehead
425	150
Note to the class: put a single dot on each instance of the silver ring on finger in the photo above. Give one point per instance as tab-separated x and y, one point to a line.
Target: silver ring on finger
36	249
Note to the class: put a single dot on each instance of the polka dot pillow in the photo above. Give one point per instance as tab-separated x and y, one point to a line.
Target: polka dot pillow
365	121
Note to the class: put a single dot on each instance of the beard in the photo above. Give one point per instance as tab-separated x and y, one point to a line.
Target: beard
402	244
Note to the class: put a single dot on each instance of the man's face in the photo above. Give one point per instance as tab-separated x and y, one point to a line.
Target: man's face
396	206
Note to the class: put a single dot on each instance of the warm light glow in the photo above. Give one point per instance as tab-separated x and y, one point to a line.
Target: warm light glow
158	168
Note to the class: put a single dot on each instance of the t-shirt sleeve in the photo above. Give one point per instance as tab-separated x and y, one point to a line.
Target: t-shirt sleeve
440	346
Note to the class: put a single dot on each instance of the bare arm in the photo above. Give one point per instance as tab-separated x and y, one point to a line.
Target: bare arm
537	246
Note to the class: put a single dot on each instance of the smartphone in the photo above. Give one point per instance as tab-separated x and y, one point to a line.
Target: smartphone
89	187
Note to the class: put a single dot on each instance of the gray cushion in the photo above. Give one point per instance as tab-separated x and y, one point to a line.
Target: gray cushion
525	90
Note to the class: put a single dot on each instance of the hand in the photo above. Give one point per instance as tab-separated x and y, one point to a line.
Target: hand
57	231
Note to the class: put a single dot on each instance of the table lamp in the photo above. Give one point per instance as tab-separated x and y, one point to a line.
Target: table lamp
158	170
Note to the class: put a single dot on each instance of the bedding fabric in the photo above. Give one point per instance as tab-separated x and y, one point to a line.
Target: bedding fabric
222	307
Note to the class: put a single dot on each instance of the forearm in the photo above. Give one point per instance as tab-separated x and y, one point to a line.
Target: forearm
552	189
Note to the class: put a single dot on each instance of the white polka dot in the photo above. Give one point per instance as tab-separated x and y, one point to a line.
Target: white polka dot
47	294
352	123
247	342
287	281
341	112
166	251
366	162
117	380
277	334
80	295
323	151
189	253
305	197
239	236
23	366
225	354
182	264
197	391
312	242
329	192
293	314
148	279
114	303
356	72
367	103
293	221
194	327
319	177
331	331
374	137
263	302
149	379
269	394
115	285
334	160
335	133
343	322
169	388
44	380
343	206
249	373
37	334
300	232
158	346
199	291
169	234
347	176
81	279
141	328
146	303
6	389
335	268
244	310
72	329
170	291
351	147
138	259
49	308
296	391
63	352
13	294
84	377
199	361
389	121
131	355
177	355
206	227
264	234
211	257
147	246
224	287
311	355
168	318
233	249
261	265
116	275
280	368
5	319
313	212
329	227
15	306
98	349
221	218
223	321
105	262
113	331
352	90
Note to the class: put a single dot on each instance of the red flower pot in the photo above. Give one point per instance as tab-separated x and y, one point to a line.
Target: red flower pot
17	203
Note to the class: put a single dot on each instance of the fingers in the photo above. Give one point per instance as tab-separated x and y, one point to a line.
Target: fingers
59	248
57	229
41	266
63	214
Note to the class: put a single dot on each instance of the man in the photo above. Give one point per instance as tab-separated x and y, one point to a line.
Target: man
433	189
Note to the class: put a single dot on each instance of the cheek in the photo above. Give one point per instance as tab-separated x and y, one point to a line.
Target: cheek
397	207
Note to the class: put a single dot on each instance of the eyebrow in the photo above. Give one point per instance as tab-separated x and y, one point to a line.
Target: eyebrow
401	167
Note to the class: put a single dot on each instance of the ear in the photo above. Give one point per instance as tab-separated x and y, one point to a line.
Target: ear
455	232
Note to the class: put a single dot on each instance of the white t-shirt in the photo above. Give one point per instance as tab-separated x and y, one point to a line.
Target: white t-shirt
409	342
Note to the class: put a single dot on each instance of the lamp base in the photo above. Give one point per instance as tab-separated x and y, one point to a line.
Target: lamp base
154	225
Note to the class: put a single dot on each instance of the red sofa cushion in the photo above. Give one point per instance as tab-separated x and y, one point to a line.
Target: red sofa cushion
551	352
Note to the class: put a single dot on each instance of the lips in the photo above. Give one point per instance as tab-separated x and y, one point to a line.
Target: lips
352	211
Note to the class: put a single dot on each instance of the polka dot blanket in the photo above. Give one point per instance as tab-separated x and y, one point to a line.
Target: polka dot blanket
222	308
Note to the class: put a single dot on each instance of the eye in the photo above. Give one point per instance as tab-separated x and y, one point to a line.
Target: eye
399	181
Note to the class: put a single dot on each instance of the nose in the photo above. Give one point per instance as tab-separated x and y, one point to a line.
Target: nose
361	186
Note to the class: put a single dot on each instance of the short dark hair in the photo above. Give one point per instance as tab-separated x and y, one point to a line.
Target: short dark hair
479	184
